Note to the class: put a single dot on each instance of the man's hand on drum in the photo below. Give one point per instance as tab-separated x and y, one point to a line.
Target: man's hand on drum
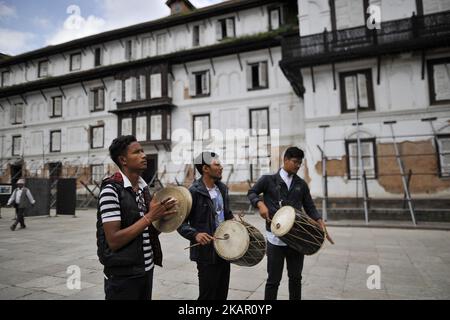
263	210
159	209
203	238
324	228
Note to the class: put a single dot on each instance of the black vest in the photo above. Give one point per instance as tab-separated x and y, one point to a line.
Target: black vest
128	260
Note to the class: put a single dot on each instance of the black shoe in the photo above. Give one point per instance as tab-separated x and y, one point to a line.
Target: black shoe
13	227
23	227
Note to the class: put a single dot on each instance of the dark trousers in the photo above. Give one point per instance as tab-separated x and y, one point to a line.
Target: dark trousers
214	280
275	264
129	288
20	217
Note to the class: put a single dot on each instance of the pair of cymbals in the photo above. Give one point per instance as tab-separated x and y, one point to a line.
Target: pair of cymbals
171	222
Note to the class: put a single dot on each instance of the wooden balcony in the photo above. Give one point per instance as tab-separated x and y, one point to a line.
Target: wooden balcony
410	34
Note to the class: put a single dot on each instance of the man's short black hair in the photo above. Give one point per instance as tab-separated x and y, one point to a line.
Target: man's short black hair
204	158
294	152
119	147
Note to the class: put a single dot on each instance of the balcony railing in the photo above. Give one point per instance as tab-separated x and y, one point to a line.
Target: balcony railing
417	32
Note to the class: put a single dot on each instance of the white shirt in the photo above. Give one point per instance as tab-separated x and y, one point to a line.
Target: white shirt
273	239
286	177
17	194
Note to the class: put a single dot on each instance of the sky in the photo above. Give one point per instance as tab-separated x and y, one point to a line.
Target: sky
27	25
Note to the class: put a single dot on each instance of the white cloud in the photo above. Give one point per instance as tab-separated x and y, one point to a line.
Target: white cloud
204	3
7	11
116	14
14	42
119	13
41	22
75	28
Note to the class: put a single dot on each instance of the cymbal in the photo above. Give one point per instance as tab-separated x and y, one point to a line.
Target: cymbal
188	197
171	222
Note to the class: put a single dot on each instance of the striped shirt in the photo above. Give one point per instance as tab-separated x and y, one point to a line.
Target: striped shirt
110	211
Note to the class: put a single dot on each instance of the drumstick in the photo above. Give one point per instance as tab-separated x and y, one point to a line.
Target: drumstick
225	237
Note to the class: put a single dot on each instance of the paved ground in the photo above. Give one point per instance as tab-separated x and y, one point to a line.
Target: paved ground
414	264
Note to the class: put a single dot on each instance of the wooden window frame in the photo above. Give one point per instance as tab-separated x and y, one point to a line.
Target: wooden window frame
14	109
369	85
71	61
259	87
223	22
375	160
13	151
92	171
268	118
129	50
194	44
280	20
3	79
438	157
92	136
200	73
51	140
40	75
126	116
95	92
431	86
100	58
163	125
252	178
140	114
193	124
53	107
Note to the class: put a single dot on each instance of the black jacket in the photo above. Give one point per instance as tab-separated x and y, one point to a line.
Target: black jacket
202	219
128	260
275	190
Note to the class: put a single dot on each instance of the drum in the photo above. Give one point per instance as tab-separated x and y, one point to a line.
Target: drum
244	245
297	230
172	222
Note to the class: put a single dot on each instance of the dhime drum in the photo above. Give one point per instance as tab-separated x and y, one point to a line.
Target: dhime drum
240	243
297	230
172	222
